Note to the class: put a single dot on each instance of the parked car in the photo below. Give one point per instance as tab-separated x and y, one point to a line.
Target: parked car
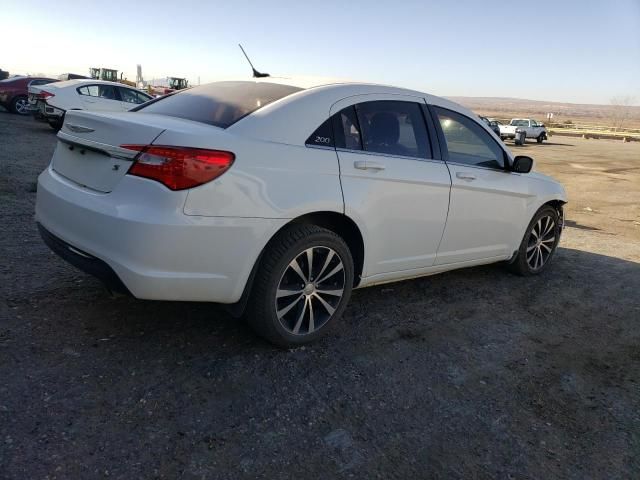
493	125
14	91
71	76
531	128
278	199
51	103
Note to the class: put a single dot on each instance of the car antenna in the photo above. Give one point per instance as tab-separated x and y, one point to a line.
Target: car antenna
256	73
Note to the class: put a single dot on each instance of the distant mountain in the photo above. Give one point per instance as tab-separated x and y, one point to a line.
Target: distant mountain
519	107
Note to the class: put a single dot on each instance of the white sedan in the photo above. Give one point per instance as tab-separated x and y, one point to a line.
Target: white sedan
51	102
279	199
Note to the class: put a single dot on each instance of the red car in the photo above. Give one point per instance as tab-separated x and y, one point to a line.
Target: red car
13	92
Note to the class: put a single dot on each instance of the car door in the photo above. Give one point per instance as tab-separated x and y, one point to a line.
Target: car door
487	201
100	98
531	129
393	184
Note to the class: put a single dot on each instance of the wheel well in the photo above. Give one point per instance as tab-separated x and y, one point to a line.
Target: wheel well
337	223
558	205
343	226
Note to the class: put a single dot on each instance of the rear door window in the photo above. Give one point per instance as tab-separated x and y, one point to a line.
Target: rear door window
393	128
220	104
131	96
347	129
322	137
108	92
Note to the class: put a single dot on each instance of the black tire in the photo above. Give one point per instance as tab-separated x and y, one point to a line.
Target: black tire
16	105
522	263
275	270
540	138
56	124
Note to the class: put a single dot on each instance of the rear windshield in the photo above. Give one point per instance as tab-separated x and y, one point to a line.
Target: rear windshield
219	104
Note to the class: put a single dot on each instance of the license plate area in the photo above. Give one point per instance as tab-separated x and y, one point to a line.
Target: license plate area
88	167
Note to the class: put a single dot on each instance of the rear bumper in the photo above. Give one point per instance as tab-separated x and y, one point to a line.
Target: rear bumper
140	233
82	260
49	111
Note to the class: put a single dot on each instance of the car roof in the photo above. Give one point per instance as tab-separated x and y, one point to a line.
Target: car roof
302	112
88	81
333	82
17	78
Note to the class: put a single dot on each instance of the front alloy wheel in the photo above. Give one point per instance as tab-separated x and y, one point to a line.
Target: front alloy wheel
539	243
302	286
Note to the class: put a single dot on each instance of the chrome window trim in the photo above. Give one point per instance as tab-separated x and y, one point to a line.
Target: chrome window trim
502	170
387	155
319	147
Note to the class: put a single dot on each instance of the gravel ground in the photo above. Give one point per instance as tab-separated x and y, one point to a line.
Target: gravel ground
468	374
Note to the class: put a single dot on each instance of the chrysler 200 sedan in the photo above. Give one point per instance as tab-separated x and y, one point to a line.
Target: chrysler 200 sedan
279	199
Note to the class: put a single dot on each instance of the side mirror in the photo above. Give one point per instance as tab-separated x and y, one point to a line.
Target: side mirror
522	164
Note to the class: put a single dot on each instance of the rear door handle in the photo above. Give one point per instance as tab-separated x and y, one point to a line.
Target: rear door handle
465	176
368	165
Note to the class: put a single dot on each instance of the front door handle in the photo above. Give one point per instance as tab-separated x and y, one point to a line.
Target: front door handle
368	165
465	176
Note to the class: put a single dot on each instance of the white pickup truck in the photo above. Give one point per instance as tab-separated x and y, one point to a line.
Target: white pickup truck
531	128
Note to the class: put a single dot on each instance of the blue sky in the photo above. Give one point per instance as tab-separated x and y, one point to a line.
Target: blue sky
577	51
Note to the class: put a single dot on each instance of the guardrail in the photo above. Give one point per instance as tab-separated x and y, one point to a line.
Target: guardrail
589	130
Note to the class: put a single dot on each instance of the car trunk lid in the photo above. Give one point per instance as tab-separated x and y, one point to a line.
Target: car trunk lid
88	150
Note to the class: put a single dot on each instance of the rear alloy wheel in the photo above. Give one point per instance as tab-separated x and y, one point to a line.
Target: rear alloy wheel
539	243
310	290
20	105
303	284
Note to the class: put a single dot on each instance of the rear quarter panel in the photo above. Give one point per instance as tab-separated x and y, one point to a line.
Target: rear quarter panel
274	175
270	180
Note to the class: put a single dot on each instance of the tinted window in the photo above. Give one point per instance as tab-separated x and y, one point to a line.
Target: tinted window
519	123
323	136
131	96
220	104
467	142
393	127
40	81
103	91
347	129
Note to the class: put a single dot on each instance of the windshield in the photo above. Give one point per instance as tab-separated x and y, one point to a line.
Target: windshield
220	104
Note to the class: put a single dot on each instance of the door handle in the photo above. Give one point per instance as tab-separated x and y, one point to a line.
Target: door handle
465	176
368	165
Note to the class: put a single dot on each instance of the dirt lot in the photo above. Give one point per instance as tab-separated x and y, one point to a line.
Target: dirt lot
469	374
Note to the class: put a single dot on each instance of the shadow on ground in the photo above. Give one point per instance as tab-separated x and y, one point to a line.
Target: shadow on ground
474	373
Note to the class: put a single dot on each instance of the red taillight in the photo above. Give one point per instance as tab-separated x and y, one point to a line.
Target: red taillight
179	167
44	95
